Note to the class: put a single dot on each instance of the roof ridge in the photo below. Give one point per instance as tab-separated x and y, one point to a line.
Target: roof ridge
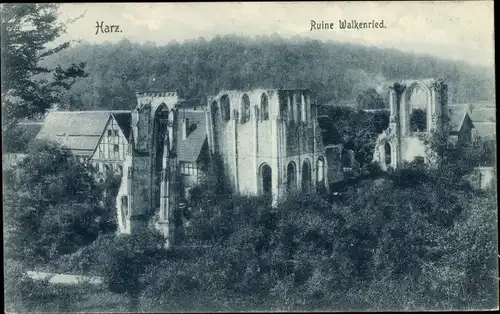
93	111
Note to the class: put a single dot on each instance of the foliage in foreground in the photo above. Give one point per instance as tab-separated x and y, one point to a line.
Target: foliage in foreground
28	87
386	247
52	205
418	237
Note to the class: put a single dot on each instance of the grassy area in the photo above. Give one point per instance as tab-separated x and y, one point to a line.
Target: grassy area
70	298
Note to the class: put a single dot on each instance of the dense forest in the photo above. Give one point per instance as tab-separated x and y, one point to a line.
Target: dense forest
196	68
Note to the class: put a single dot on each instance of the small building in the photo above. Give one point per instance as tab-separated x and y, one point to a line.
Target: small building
112	146
192	146
461	126
483	116
90	135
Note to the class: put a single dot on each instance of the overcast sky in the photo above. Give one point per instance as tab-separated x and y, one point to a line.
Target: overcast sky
453	29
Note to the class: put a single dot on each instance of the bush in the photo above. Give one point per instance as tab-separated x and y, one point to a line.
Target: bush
127	260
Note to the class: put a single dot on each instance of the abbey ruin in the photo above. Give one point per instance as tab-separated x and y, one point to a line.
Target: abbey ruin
269	143
402	140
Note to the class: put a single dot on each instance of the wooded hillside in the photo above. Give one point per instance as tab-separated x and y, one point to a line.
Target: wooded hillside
336	71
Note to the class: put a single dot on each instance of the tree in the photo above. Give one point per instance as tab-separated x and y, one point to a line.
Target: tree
127	261
370	99
200	68
52	205
418	120
358	129
28	88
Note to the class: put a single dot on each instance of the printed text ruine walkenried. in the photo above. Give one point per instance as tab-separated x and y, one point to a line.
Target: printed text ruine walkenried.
347	24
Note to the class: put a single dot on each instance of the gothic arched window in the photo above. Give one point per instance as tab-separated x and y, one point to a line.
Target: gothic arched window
245	109
226	108
320	169
264	104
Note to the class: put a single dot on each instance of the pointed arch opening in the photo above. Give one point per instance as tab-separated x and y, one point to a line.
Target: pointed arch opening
245	109
320	169
264	105
225	108
265	179
214	108
163	119
306	175
417	111
388	153
298	109
284	109
291	177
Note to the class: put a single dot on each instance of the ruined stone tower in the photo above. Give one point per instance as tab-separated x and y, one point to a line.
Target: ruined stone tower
401	141
149	191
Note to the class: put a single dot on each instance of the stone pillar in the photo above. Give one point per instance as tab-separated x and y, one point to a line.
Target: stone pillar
235	151
256	148
274	157
308	102
431	109
209	127
289	99
303	108
382	156
392	104
162	223
394	155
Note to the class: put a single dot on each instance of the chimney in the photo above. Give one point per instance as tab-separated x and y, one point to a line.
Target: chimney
185	126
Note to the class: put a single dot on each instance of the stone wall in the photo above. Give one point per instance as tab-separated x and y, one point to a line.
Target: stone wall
282	134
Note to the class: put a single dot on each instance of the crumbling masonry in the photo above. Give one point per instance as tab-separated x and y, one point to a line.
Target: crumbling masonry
399	143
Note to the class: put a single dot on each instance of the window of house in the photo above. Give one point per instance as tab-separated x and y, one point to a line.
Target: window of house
109	132
188	168
115	132
116	148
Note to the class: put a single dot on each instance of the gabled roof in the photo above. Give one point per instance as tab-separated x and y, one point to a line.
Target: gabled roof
123	119
79	131
189	149
458	118
479	112
483	114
